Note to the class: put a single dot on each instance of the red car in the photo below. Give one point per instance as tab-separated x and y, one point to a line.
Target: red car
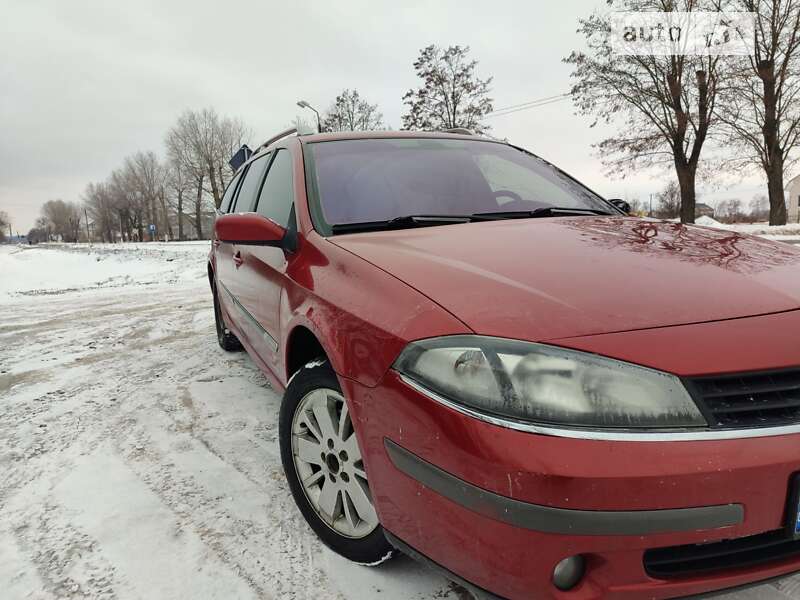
495	370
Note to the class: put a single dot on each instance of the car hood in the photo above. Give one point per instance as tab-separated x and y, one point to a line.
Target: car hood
547	279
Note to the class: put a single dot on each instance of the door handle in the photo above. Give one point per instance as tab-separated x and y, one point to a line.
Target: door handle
238	260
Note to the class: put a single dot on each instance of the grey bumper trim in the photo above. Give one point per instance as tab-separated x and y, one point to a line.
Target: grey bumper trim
547	519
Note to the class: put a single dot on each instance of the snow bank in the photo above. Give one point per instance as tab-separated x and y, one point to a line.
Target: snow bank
784	233
752	228
60	268
706	221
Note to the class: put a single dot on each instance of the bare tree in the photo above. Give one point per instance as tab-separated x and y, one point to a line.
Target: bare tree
145	174
759	208
5	221
669	201
100	204
637	206
182	150
37	235
204	142
729	211
232	134
178	184
126	203
451	95
760	106
666	103
735	213
62	219
351	112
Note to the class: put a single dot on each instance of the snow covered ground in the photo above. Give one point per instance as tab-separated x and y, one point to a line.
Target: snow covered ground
137	459
140	461
783	233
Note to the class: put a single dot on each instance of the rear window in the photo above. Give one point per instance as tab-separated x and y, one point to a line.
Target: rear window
379	179
227	198
246	200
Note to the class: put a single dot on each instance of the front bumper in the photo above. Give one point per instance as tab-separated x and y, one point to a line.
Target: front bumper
500	508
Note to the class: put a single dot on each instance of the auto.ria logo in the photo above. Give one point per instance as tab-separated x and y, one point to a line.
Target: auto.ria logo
683	33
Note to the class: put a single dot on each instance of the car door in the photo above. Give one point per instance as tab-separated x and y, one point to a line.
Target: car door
224	251
231	262
263	271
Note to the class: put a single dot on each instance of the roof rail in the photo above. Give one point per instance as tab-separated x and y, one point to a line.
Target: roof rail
460	131
277	137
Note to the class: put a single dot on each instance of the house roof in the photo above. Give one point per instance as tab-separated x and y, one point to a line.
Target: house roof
792	180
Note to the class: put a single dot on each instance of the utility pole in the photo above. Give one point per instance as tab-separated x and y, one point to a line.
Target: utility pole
10	235
88	235
650	214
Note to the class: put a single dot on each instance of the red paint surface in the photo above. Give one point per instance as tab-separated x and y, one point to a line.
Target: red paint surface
551	278
246	227
578	474
682	299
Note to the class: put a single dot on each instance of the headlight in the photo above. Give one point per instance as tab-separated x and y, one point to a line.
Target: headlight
545	384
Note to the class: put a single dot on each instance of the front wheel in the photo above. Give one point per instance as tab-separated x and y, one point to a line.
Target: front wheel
324	467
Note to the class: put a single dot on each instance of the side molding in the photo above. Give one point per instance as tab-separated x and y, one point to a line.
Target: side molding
270	340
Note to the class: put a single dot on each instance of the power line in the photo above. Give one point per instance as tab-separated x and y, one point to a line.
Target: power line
505	108
528	106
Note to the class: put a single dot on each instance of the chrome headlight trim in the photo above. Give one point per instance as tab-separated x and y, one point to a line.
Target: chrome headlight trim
619	435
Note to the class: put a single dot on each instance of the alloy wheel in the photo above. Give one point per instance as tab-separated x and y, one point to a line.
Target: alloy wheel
329	464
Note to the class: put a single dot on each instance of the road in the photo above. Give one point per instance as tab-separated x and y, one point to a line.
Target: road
138	460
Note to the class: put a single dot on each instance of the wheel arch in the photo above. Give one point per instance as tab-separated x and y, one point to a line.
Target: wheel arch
302	346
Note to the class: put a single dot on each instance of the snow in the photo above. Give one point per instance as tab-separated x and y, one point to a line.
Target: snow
780	232
707	221
55	269
139	460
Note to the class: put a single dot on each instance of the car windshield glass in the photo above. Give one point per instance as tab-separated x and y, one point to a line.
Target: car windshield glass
372	180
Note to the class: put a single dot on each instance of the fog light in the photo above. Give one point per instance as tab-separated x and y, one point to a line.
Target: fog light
568	572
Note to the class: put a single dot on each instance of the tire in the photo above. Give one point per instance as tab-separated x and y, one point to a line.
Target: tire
227	340
324	452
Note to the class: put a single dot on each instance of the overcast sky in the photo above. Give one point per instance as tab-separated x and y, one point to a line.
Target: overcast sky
84	83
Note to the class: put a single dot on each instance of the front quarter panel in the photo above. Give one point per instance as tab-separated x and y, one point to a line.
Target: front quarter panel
362	316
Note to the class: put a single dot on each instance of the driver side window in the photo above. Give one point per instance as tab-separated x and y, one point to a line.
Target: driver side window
277	195
532	186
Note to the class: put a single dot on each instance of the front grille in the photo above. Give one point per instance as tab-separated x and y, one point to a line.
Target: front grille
751	399
695	559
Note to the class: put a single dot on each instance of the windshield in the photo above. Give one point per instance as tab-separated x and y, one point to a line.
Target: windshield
380	179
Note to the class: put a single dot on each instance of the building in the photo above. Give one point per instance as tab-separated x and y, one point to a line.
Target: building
703	210
792	194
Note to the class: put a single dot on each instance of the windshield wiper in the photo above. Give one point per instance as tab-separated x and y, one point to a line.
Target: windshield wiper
408	221
402	223
544	211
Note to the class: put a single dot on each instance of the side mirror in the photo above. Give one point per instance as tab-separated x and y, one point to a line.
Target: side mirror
622	205
248	228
